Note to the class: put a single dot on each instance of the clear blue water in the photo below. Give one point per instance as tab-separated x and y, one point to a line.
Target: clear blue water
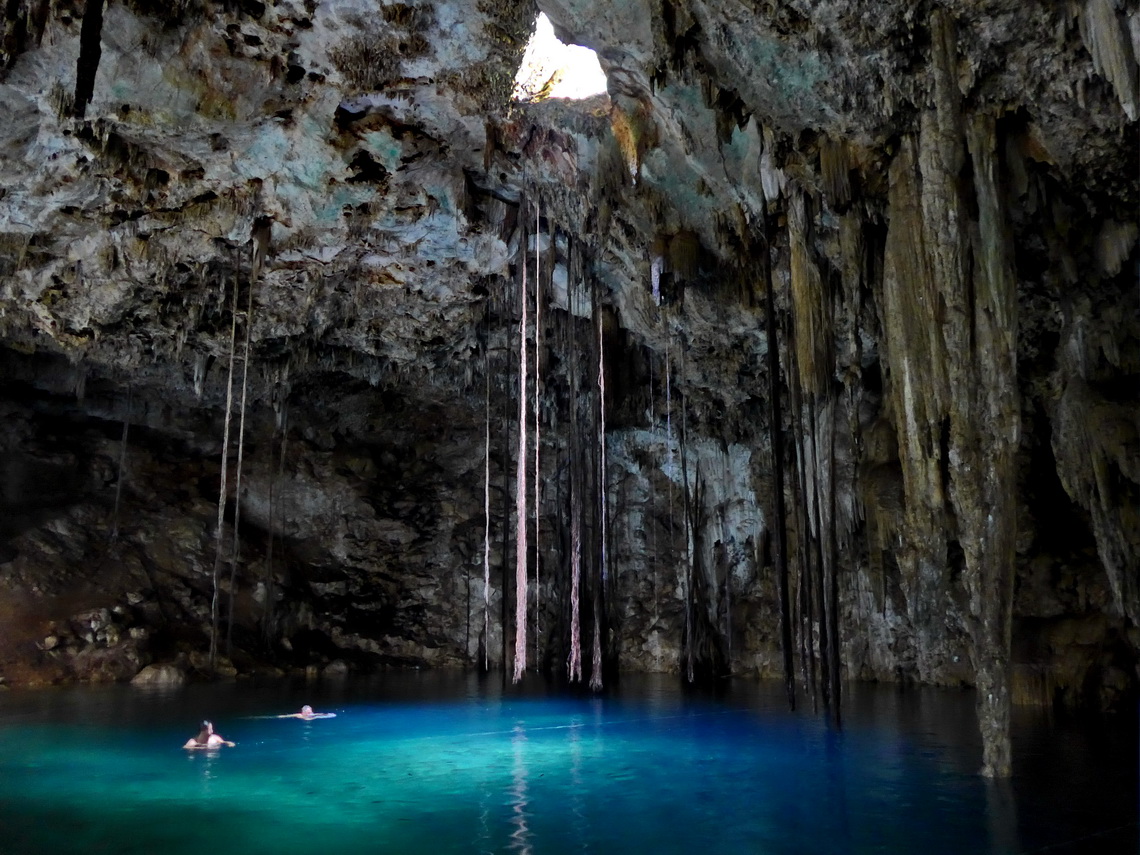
441	763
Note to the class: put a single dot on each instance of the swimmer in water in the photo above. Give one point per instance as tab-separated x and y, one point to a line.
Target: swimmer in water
206	738
307	714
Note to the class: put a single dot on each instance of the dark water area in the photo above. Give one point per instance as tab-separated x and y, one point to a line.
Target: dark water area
450	763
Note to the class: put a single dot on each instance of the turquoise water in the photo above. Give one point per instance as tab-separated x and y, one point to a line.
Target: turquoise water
438	763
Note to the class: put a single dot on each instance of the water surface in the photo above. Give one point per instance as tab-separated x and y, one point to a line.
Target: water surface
447	763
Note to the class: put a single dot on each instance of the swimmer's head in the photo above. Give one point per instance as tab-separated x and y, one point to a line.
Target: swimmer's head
306	710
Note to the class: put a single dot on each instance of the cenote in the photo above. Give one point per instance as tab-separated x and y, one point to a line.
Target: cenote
345	356
447	762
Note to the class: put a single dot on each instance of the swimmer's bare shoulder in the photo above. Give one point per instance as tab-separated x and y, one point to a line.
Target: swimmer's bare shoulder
206	738
195	746
307	714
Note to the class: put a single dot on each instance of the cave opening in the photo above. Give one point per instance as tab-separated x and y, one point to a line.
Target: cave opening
553	69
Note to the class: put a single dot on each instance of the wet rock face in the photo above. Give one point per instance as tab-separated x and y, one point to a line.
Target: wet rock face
945	199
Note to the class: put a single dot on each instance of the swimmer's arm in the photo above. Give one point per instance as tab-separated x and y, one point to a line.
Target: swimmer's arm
308	717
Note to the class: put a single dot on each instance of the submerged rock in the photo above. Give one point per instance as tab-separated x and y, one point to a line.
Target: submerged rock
159	675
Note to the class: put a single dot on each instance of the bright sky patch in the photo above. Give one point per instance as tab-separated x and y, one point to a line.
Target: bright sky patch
551	69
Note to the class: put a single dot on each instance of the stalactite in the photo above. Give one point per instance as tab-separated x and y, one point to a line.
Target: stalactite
596	668
122	463
988	485
1106	36
237	482
835	168
537	432
487	505
777	432
200	363
520	485
669	429
805	566
726	477
728	609
222	487
596	675
812	344
949	316
915	352
690	675
807	645
813	337
574	661
668	407
653	628
467	622
655	276
261	232
833	575
90	50
820	582
504	600
821	424
590	471
80	376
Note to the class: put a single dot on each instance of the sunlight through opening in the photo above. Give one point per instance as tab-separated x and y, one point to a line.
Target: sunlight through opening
551	69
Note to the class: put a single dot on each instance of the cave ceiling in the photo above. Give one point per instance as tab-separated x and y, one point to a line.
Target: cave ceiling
375	151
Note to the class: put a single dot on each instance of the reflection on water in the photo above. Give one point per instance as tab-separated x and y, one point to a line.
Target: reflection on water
453	764
520	837
577	812
205	758
836	792
1001	814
